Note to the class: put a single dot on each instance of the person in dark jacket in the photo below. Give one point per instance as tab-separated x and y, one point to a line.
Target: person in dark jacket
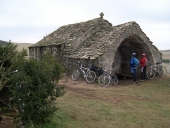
143	63
133	66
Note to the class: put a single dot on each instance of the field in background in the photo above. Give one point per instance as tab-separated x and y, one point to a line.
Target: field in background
23	45
166	54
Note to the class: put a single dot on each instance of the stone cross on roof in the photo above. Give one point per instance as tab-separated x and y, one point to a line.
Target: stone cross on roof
101	15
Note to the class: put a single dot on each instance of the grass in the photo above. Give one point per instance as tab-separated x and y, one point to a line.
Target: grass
146	105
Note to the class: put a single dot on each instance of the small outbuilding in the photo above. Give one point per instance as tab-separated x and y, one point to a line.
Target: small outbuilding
97	41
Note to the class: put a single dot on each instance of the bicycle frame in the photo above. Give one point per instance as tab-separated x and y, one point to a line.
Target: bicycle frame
156	68
105	79
111	77
87	74
84	70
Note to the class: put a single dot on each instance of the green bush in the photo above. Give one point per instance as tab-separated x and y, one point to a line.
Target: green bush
33	88
36	87
7	53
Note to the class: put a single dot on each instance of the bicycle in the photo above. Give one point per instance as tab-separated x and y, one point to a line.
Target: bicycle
156	69
89	75
105	79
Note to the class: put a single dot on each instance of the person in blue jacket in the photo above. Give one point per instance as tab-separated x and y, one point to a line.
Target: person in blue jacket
134	62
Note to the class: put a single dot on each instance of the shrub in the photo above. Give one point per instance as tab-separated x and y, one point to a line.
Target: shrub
7	53
32	87
35	87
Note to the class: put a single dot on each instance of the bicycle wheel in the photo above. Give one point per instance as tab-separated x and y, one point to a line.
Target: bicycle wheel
163	71
90	76
75	75
150	74
104	80
114	79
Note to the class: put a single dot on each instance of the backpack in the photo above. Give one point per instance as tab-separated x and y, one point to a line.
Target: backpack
136	63
100	71
93	68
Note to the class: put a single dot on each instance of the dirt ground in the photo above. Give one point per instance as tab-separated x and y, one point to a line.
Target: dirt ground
83	89
82	82
66	80
7	121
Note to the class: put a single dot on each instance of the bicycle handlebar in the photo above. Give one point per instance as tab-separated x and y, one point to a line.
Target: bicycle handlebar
83	66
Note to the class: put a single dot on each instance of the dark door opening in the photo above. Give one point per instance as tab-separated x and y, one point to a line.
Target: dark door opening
124	51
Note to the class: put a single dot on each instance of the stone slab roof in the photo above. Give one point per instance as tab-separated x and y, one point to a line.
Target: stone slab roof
100	42
89	39
63	34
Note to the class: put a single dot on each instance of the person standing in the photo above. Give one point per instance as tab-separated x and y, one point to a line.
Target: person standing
134	62
143	62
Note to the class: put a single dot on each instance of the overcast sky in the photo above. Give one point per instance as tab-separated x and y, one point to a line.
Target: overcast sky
28	21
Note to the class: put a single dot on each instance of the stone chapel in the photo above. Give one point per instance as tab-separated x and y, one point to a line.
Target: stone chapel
97	41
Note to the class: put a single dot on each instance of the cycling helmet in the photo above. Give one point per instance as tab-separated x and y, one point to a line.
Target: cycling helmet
143	54
133	54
